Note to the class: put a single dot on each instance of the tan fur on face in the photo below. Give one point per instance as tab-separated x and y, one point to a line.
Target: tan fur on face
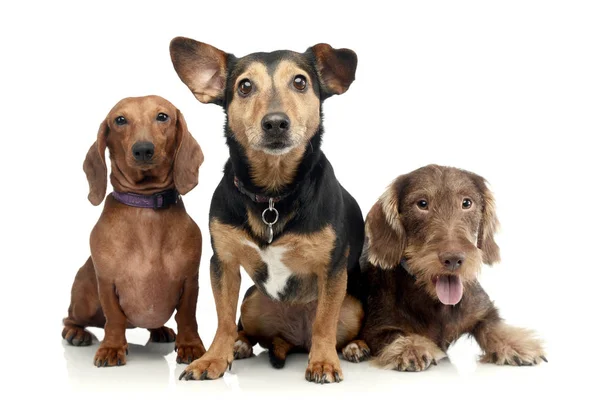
274	93
409	353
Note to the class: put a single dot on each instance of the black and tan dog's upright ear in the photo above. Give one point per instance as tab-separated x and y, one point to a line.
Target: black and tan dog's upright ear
336	68
188	159
202	67
489	223
385	238
94	166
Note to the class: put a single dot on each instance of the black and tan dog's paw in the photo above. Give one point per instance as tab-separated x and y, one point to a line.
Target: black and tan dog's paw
109	356
356	351
162	335
188	352
205	368
242	349
410	353
76	335
324	372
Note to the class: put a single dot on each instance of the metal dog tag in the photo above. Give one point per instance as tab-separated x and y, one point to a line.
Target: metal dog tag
270	224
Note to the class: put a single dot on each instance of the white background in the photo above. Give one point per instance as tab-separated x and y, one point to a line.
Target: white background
507	89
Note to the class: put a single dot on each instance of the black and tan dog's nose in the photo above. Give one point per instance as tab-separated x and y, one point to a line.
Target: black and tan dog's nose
275	124
452	260
143	151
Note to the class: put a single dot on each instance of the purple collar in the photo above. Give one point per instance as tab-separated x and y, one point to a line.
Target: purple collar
156	201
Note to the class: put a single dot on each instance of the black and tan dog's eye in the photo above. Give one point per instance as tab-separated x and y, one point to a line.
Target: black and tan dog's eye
423	204
467	203
120	120
245	87
299	82
162	117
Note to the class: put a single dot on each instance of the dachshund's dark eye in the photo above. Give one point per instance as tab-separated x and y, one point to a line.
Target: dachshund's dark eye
245	87
423	204
162	117
300	82
120	120
466	204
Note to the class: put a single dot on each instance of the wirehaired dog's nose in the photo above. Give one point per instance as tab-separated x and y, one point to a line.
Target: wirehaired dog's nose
275	124
143	151
452	260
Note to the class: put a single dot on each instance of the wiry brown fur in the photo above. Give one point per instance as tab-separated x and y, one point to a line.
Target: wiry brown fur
407	326
144	263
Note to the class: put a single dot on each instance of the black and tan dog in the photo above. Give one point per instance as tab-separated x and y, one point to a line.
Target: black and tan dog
279	210
426	239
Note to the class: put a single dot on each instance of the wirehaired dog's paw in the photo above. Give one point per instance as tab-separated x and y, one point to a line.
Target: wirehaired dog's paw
356	351
241	349
162	335
76	335
205	368
508	345
188	352
108	356
410	353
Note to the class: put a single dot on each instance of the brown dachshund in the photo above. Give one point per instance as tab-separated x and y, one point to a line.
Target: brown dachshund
145	248
426	239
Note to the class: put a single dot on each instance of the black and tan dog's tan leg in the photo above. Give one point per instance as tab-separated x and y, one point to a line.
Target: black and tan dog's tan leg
225	282
503	344
323	360
188	344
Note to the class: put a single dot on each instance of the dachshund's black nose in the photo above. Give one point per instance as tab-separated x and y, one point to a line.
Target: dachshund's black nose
143	151
452	260
275	124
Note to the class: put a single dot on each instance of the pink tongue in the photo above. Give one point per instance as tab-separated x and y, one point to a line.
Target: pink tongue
449	289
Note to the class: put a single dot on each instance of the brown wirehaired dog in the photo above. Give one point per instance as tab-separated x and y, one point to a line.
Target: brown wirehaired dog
145	247
426	239
279	210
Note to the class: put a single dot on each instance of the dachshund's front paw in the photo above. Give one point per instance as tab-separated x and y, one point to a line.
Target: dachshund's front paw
410	353
108	356
356	351
162	335
205	368
508	345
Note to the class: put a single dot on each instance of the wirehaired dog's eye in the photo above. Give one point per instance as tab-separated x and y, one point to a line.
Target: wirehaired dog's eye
466	204
120	120
300	82
423	204
162	117
245	87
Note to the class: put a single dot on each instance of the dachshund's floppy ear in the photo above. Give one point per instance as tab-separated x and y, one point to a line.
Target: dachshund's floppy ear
336	68
202	67
489	223
385	238
188	158
94	166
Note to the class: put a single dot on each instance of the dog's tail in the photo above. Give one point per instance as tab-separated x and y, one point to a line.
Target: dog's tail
278	352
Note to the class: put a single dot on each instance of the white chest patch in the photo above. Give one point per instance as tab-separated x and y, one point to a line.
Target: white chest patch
278	272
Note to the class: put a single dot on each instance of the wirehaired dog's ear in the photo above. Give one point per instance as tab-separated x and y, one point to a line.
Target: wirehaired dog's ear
188	158
94	166
336	68
489	223
202	67
385	238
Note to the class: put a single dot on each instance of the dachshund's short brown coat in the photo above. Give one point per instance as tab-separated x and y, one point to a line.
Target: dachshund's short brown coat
144	262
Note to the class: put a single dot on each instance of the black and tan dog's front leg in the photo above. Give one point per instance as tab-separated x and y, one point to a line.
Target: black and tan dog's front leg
323	360
503	344
188	344
225	281
113	349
